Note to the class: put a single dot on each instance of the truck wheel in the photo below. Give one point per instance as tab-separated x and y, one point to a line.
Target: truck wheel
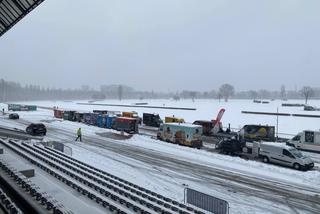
265	159
296	166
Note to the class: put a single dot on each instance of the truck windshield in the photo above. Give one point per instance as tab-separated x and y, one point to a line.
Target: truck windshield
296	138
296	153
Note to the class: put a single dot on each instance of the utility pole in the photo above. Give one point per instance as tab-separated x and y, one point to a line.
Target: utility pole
277	123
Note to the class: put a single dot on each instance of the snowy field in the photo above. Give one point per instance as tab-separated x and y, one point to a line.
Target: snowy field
208	109
170	180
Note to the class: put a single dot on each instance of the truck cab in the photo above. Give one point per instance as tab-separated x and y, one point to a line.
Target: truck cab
306	140
153	120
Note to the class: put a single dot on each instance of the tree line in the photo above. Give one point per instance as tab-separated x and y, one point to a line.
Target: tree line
13	91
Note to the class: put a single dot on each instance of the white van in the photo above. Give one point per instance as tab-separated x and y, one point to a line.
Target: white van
307	141
282	154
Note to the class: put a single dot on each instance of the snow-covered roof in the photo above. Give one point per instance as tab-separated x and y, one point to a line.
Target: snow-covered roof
190	125
277	144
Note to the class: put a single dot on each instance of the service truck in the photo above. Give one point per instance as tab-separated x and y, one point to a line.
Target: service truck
306	140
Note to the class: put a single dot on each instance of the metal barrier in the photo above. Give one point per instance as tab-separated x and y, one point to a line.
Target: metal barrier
206	202
58	146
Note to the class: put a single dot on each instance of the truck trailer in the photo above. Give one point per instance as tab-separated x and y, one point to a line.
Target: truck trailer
126	124
252	132
181	133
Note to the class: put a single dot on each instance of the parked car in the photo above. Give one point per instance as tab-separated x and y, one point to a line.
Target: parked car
282	154
36	129
14	116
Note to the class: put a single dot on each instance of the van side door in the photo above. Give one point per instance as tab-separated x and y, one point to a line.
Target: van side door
287	158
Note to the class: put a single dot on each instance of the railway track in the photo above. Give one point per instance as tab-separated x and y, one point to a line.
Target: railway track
111	192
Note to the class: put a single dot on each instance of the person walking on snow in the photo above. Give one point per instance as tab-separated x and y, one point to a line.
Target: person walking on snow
79	135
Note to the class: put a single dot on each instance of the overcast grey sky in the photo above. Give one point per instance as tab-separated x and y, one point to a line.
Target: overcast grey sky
166	45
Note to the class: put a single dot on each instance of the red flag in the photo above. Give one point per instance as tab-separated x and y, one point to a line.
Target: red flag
216	122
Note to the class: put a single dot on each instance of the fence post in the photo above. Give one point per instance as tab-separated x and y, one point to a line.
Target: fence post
277	123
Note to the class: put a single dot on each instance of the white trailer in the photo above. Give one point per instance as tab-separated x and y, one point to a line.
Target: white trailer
307	141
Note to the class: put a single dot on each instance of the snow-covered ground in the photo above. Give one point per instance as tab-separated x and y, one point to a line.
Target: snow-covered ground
170	178
208	109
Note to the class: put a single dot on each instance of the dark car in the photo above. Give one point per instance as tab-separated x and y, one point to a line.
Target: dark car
36	129
14	116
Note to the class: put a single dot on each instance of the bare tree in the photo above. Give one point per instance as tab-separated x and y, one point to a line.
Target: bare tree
253	94
283	92
176	97
264	94
226	91
192	94
219	96
307	92
120	92
85	88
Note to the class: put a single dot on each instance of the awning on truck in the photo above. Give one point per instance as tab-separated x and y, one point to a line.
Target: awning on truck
12	11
